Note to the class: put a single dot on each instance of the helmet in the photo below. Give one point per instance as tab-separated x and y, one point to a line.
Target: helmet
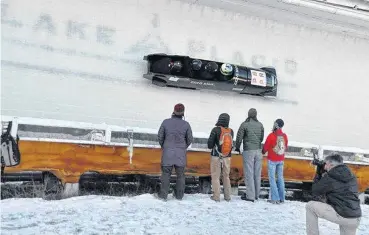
176	66
211	67
196	64
226	69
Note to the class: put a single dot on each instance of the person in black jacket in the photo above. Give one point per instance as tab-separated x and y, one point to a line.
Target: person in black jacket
339	187
221	161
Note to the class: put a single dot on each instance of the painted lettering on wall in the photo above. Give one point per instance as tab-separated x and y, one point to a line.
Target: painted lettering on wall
45	23
76	29
289	65
5	20
48	25
72	29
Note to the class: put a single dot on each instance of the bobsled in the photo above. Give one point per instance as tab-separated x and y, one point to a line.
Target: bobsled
193	73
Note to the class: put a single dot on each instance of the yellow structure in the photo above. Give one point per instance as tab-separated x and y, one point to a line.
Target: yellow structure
68	159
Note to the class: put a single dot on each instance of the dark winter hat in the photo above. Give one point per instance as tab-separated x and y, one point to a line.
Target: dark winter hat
252	113
223	120
279	123
179	109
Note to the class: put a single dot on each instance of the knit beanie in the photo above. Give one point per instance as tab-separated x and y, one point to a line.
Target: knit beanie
279	123
252	113
179	110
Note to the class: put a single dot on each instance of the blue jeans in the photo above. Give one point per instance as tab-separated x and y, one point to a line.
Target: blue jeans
277	189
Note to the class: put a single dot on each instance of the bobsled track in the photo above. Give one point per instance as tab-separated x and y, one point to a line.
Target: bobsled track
82	61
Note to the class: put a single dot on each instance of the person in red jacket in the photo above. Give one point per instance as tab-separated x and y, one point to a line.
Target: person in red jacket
276	146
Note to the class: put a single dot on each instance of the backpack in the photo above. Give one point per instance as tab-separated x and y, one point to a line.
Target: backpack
225	142
10	154
280	145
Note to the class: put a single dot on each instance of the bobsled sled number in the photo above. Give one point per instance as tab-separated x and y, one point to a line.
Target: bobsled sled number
258	78
173	79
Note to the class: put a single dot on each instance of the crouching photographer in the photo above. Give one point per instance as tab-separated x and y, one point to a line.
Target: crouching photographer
338	185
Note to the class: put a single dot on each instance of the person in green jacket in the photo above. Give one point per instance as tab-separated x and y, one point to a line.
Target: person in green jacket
251	133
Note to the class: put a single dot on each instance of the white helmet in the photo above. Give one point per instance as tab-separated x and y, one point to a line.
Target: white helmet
226	69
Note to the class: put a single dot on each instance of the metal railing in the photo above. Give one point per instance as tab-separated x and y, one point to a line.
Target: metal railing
113	135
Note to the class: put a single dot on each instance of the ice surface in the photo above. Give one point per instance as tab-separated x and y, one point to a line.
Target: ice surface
92	75
144	214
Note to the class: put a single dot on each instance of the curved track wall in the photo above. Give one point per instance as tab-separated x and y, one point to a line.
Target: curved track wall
82	61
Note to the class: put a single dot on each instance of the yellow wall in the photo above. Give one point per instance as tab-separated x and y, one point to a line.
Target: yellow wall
69	161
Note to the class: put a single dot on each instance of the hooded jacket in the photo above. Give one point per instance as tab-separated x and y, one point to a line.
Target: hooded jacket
340	188
213	141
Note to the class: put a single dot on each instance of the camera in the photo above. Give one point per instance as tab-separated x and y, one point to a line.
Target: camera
320	164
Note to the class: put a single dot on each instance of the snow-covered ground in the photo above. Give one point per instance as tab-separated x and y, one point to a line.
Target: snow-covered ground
144	214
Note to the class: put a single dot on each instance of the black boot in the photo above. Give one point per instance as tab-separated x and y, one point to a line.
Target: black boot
243	197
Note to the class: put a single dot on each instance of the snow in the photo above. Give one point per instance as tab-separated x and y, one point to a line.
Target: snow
363	4
105	127
144	214
334	9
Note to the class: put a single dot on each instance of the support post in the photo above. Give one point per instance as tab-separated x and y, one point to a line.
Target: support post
130	144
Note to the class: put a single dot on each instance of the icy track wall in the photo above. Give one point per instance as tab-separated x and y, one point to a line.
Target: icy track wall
82	61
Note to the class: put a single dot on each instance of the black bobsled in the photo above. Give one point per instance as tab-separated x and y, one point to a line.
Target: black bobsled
191	73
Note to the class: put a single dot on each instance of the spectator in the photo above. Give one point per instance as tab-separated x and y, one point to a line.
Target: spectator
339	187
251	133
221	143
175	136
276	145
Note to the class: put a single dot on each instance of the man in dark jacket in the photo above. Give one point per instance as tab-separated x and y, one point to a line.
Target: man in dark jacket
175	136
218	162
340	188
251	132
